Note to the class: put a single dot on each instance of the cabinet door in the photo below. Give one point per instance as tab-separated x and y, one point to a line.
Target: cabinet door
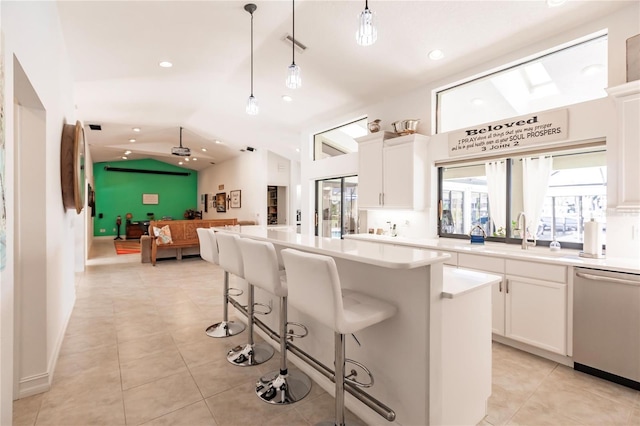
629	152
370	174
536	313
497	308
627	99
398	176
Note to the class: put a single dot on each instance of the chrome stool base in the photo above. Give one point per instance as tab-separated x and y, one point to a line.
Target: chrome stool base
225	329
279	389
248	355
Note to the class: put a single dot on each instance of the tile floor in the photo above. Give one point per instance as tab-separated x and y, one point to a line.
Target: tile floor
135	353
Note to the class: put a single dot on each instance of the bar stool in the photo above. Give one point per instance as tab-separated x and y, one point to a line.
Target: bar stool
209	252
283	386
314	288
231	261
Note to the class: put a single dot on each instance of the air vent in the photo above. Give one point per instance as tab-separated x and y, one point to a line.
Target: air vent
299	46
95	126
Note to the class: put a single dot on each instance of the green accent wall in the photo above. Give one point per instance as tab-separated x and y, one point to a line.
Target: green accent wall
119	193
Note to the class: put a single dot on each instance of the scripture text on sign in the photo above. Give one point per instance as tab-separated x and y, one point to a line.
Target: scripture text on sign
506	135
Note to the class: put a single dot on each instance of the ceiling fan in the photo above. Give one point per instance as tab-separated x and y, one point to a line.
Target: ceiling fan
181	151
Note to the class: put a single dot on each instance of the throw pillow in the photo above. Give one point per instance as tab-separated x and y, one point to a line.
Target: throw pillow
163	235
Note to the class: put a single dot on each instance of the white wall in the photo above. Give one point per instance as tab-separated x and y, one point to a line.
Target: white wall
248	173
587	121
32	34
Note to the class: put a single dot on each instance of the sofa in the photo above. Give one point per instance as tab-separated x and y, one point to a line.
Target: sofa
183	235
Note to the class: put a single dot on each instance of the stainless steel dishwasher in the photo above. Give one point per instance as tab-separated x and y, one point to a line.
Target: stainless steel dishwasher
606	325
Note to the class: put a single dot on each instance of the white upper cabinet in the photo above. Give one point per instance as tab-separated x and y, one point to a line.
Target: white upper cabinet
627	100
392	171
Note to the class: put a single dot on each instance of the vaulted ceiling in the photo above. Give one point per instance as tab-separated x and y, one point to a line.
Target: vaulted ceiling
115	48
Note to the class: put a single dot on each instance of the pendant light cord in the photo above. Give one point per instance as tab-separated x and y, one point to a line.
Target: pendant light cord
293	44
251	53
366	4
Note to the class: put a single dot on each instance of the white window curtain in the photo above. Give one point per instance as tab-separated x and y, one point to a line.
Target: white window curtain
535	182
497	192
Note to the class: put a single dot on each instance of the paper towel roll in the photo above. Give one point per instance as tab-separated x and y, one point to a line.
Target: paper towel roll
592	243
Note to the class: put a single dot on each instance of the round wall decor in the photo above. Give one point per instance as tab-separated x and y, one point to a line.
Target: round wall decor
72	166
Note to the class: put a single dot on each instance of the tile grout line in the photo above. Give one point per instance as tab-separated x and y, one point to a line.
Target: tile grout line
532	393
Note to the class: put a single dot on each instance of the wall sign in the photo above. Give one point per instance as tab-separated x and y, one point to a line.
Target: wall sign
509	134
149	198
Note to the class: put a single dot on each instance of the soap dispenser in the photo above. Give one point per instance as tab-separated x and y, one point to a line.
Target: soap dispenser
477	235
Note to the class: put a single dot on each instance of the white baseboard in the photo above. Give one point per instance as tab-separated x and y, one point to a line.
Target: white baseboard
560	359
39	383
33	385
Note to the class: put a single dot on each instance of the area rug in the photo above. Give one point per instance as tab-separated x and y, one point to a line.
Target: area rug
127	247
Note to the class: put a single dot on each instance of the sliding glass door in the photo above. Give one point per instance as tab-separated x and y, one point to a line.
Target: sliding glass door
337	207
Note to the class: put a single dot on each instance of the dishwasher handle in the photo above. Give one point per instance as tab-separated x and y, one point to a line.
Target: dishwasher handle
606	278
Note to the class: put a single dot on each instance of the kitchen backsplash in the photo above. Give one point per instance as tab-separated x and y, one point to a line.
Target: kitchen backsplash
409	223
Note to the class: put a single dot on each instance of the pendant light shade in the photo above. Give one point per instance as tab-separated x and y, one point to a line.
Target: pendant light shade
293	76
294	80
367	33
252	106
252	102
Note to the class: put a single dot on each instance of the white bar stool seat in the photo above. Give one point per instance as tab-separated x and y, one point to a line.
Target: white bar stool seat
314	288
209	253
283	386
231	260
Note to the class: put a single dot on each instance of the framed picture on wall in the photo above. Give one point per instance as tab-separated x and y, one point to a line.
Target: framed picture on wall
236	199
221	202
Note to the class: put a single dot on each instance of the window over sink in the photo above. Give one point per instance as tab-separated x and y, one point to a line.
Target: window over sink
479	193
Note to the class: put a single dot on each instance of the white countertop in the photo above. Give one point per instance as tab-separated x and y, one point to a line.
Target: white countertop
384	255
564	257
457	282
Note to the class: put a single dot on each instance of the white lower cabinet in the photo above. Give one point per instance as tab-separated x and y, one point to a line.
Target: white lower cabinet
530	307
497	308
536	313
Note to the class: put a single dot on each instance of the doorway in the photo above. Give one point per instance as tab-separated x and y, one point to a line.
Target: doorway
337	207
276	205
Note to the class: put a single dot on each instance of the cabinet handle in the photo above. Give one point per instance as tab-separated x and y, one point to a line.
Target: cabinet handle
379	198
500	286
383	198
507	286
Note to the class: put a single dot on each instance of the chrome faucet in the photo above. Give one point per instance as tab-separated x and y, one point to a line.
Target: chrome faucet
522	226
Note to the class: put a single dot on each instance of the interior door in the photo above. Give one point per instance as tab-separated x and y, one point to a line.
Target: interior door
337	206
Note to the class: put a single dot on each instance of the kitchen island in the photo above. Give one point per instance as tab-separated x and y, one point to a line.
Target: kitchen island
408	354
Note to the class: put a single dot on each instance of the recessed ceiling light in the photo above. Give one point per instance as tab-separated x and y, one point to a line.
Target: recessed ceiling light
297	149
124	158
132	140
287	98
204	149
136	129
217	141
592	69
180	163
186	159
165	64
127	152
436	54
477	101
194	159
554	3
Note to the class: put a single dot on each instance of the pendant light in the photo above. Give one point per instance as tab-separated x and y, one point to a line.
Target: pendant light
367	33
293	72
252	102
